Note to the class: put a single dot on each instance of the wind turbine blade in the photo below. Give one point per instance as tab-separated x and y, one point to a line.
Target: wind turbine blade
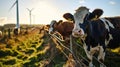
32	9
12	5
28	9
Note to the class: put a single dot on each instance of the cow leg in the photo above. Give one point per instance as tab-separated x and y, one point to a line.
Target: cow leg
89	55
101	55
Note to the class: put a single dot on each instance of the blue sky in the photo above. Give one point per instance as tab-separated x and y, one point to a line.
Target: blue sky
47	10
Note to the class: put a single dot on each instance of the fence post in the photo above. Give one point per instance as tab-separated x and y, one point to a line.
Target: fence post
9	35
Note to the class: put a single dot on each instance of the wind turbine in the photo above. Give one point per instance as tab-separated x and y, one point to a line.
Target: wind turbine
17	16
30	10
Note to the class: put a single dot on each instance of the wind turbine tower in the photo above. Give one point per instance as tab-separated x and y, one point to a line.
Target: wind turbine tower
17	29
17	13
30	11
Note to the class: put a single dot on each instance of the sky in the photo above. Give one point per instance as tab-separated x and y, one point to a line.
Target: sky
44	11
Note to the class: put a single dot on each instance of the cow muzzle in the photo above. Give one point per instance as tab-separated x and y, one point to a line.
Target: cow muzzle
78	33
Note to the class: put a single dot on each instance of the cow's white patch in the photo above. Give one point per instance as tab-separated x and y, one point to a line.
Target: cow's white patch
76	32
51	26
50	30
88	53
101	53
0	32
107	41
93	51
110	24
107	25
79	16
52	23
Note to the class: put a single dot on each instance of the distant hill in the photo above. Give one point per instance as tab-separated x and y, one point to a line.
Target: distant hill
9	25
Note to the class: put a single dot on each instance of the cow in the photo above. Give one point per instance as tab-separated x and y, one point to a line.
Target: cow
64	28
96	33
16	31
0	34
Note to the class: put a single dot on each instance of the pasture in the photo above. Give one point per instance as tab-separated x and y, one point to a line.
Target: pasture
37	48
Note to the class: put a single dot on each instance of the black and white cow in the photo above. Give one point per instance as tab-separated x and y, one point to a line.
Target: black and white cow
16	31
96	33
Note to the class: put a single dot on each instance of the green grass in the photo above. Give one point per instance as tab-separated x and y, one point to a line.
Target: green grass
38	50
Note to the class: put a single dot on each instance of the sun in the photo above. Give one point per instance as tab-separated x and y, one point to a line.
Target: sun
44	13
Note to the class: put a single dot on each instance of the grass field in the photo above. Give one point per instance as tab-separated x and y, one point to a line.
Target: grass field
37	49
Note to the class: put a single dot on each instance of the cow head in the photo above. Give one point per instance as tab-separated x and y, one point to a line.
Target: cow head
81	17
53	25
92	16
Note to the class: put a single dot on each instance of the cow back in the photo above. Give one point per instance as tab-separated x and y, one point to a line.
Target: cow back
115	21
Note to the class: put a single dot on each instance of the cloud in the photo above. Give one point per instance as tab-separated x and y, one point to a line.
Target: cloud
3	20
81	1
112	2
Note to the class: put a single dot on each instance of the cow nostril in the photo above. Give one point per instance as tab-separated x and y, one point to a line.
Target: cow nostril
79	31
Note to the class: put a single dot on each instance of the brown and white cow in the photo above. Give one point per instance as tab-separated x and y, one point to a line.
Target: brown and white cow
64	28
96	33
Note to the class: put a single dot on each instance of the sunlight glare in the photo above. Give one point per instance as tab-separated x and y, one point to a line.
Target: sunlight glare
44	13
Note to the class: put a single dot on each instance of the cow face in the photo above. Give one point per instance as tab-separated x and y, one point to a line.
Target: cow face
52	24
79	16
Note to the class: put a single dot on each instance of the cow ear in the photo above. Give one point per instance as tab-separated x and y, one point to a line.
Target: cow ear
68	16
96	14
60	21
